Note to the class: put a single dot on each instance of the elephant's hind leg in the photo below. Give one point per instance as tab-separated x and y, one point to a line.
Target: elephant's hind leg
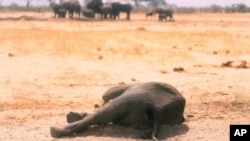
114	92
73	116
58	132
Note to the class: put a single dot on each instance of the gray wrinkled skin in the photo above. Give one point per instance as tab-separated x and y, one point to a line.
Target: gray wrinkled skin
141	106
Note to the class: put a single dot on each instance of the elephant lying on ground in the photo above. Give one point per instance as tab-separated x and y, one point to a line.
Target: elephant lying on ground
141	106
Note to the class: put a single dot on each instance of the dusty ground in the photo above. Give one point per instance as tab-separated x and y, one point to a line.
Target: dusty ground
49	67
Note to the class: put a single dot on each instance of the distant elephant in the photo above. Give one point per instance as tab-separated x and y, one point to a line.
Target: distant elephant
118	7
62	13
88	13
56	8
106	10
72	6
142	106
150	13
95	5
162	16
167	12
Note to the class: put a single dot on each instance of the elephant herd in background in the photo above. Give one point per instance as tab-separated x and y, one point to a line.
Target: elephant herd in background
93	7
104	10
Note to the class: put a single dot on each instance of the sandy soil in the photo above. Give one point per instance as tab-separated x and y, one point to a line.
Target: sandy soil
49	67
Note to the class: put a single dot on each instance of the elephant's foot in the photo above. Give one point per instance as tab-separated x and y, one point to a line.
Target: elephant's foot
147	134
58	132
72	116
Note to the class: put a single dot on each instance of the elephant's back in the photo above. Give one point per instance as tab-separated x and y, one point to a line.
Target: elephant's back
155	88
158	93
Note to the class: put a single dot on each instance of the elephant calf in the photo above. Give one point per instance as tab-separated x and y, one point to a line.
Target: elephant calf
162	16
142	106
165	13
88	13
149	13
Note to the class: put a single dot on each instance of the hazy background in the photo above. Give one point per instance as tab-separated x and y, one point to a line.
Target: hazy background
180	3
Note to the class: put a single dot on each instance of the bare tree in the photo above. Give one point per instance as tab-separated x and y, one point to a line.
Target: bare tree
153	3
28	3
51	2
215	8
242	8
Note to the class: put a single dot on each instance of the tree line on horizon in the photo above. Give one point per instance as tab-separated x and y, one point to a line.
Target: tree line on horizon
141	5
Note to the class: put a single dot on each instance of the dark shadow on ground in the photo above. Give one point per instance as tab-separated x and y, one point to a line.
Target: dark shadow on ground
116	131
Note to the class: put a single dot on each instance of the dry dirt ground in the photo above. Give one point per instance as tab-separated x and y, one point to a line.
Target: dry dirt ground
49	67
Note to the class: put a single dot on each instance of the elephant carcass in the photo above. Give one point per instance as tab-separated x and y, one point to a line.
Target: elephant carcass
143	106
118	7
95	5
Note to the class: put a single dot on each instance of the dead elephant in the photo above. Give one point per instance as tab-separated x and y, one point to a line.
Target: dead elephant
142	106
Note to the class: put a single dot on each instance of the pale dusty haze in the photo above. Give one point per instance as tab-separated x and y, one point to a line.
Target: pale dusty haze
195	3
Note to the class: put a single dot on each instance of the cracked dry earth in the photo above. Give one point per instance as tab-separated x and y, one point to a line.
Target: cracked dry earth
49	67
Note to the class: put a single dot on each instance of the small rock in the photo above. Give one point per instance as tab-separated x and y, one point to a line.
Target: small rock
97	106
227	64
190	116
98	48
121	83
71	85
243	64
133	79
215	52
163	71
141	29
100	57
10	54
178	69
